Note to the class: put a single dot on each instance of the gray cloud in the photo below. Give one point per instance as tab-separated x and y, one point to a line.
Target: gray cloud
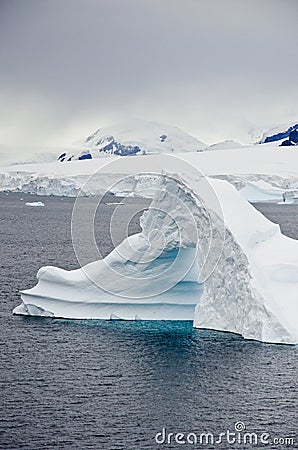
212	67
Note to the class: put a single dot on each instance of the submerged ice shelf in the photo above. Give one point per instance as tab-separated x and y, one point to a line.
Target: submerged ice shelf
246	284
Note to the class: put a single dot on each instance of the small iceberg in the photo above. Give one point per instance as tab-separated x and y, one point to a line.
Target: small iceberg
263	192
34	204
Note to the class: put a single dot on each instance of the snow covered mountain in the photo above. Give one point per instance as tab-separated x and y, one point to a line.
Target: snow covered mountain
127	138
136	137
289	132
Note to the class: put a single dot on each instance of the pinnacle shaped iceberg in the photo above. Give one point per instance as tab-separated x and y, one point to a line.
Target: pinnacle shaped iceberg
226	268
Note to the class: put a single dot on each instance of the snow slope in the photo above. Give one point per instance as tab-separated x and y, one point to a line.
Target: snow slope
18	155
225	145
245	283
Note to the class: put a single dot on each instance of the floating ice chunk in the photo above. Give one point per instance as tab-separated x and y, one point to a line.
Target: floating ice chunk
34	204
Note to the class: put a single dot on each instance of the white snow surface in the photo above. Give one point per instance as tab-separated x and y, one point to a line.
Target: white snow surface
157	274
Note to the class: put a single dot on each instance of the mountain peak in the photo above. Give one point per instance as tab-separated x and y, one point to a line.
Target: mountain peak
140	136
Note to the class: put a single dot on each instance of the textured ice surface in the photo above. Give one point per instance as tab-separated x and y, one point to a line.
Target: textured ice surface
160	273
253	290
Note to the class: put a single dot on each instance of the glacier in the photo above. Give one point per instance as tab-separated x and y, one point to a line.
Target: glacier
270	163
204	254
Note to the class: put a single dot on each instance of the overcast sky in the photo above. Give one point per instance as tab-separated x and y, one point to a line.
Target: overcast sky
214	68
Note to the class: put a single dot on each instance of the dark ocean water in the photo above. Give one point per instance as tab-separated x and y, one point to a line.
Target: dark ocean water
114	385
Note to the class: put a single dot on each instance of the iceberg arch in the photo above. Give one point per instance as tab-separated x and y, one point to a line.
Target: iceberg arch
234	273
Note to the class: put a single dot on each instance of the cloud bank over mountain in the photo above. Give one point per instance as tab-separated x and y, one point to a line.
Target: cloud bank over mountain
215	68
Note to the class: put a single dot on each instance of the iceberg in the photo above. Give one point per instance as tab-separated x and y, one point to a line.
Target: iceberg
261	191
204	254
